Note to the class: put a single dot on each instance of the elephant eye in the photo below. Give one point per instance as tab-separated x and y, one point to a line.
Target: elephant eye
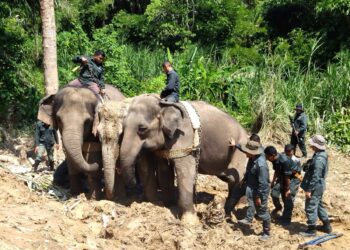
142	129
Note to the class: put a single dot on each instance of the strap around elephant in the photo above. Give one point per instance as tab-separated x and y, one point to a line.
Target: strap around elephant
195	122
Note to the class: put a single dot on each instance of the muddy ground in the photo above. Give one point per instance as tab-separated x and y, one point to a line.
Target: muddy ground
30	219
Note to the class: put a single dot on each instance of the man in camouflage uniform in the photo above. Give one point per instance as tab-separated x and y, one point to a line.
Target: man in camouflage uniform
299	125
45	139
314	185
257	191
284	183
91	73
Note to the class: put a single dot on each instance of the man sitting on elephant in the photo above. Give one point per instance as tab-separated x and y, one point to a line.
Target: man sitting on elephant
91	73
172	89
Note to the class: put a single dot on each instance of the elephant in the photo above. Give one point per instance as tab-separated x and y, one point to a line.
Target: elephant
163	129
72	111
108	124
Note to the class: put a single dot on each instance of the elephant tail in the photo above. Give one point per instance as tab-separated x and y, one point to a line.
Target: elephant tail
258	124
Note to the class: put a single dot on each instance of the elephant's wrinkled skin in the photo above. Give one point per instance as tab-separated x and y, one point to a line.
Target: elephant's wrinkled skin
154	125
73	111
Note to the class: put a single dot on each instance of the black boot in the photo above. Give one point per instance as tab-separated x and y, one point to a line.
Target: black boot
51	165
266	231
310	232
326	227
35	166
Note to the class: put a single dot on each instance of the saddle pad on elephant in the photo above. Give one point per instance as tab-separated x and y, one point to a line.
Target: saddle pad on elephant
192	113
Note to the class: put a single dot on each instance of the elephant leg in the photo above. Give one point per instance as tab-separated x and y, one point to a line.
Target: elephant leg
119	187
75	180
235	192
186	172
95	188
146	172
166	178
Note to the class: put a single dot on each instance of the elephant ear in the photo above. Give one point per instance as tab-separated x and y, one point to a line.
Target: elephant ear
45	111
171	116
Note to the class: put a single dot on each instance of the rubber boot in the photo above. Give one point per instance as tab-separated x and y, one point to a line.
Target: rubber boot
310	231
266	231
326	227
51	165
244	222
35	166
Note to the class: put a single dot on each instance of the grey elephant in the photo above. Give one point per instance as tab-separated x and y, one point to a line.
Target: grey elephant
72	111
108	125
164	131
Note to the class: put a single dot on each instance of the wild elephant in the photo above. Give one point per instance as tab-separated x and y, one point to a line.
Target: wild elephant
108	125
165	129
72	111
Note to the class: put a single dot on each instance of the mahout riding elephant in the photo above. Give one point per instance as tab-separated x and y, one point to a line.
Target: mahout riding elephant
72	111
164	129
108	125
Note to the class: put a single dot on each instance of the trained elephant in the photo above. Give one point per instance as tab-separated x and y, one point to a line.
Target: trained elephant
164	129
108	125
72	111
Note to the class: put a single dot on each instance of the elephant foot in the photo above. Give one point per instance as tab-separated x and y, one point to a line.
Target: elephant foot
190	219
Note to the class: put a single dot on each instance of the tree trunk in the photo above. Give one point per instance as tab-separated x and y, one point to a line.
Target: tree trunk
47	12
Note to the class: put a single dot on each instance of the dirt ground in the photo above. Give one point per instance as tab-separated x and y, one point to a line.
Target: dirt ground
35	220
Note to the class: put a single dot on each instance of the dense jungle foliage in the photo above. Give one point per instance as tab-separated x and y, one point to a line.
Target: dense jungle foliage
251	58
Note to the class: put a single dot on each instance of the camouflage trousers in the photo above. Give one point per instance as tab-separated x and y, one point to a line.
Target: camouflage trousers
41	152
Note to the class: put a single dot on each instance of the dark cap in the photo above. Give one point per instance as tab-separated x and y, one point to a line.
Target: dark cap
299	106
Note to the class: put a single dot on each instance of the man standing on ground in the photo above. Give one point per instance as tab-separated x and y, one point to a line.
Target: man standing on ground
299	125
236	196
283	183
257	192
45	139
172	89
314	185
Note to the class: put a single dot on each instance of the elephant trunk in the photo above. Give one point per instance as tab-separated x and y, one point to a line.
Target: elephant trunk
110	155
129	150
72	142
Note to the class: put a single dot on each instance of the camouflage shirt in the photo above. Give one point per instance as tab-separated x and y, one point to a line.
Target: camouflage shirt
44	134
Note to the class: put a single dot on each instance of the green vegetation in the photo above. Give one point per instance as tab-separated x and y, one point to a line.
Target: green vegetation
250	58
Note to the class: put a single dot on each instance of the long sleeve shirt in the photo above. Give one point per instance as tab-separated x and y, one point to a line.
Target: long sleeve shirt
44	134
172	85
300	123
257	176
90	72
314	178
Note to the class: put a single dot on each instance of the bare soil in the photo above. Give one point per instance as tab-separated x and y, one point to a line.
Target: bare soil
35	220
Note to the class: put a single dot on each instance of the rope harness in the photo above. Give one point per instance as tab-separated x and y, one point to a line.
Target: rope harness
194	149
195	122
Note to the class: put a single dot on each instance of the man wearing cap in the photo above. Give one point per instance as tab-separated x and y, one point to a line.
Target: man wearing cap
234	198
257	191
283	183
299	125
314	184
